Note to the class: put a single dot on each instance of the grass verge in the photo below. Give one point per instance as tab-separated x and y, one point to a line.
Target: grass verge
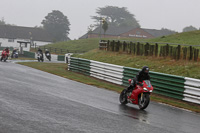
61	70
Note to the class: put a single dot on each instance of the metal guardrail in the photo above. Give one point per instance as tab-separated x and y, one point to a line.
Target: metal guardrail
183	88
107	72
79	65
192	90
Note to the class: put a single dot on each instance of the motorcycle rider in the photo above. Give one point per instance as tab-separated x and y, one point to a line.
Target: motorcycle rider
47	54
40	51
142	75
7	51
13	52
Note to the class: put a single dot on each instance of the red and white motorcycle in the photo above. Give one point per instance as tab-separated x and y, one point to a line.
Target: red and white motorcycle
139	96
4	56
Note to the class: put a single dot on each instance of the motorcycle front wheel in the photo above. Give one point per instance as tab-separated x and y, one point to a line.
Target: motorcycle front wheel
143	101
5	59
123	97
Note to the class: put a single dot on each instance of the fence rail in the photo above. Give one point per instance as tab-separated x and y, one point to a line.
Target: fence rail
183	88
181	51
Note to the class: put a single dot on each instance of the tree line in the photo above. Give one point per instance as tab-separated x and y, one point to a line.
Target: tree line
58	25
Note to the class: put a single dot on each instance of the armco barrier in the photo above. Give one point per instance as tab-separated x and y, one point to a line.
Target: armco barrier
54	57
79	65
183	88
61	58
107	72
29	54
192	90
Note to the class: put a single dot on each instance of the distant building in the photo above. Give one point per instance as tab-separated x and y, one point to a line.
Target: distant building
127	32
10	36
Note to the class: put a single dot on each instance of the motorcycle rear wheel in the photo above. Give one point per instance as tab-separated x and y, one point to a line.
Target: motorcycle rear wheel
143	103
123	97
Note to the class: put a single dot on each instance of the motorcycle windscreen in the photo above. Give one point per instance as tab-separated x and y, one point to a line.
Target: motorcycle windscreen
148	83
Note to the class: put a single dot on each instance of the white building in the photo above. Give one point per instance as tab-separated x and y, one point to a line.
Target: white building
10	36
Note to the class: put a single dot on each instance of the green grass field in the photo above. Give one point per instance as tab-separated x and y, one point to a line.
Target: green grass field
77	45
190	38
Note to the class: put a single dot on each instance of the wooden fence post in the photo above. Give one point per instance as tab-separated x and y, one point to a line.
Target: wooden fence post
131	48
113	45
171	51
191	53
167	50
124	47
107	45
156	50
134	48
179	52
195	51
117	46
151	50
196	54
146	49
138	48
142	50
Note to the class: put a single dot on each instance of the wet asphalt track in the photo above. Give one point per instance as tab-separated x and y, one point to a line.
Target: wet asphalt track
32	101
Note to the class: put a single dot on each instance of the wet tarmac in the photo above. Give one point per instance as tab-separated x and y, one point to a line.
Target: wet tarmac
32	101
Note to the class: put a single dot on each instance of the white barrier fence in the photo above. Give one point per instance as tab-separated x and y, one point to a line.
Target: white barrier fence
192	90
107	72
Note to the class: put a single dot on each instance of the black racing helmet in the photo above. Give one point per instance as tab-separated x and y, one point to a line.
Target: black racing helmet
145	69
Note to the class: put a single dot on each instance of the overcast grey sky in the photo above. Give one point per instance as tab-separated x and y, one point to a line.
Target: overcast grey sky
152	14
